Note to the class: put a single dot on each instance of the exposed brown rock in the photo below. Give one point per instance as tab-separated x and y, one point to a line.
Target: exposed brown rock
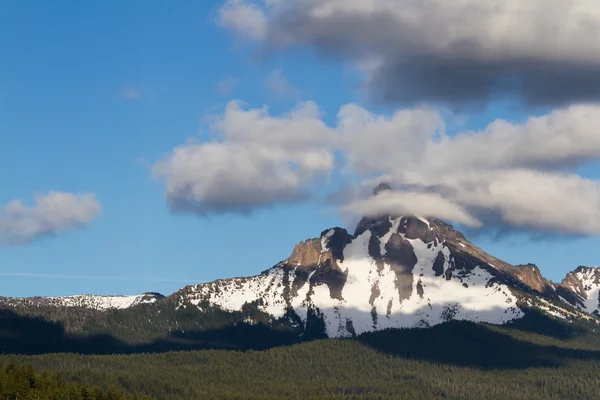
309	256
573	289
307	253
531	276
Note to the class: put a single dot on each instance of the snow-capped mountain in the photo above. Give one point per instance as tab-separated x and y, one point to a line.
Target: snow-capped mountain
392	272
581	288
99	303
396	272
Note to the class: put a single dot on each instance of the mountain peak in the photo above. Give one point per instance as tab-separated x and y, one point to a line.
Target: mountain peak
382	187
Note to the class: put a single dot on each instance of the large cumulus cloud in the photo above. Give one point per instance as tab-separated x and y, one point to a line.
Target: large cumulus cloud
544	52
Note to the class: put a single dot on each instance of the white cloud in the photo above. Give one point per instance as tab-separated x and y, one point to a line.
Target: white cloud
245	18
52	214
545	201
403	203
378	143
257	161
515	176
542	51
564	137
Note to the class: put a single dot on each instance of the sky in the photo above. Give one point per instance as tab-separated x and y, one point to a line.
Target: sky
148	146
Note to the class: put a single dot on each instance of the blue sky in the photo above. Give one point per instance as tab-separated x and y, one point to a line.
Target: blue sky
93	94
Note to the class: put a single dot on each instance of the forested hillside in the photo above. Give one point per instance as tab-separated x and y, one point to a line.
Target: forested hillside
456	360
22	382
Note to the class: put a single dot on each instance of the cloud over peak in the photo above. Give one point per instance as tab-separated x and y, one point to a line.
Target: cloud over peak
444	51
52	214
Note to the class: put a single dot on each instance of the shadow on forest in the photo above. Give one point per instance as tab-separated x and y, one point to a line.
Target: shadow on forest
31	335
456	343
468	344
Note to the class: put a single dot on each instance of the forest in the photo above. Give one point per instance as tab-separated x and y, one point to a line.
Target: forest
22	382
536	358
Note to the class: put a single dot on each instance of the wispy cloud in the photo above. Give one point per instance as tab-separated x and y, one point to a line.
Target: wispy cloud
227	85
93	277
280	87
131	93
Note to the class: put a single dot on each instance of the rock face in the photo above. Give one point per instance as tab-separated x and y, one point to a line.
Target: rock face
531	276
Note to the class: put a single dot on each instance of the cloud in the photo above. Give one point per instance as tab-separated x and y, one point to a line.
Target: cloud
443	51
398	203
52	214
95	277
378	143
256	161
564	138
526	199
279	86
227	85
508	176
244	18
130	93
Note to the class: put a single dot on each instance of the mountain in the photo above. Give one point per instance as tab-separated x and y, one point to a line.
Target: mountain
581	288
392	272
99	303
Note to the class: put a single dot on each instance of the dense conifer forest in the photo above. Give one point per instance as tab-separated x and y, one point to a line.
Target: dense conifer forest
22	382
537	358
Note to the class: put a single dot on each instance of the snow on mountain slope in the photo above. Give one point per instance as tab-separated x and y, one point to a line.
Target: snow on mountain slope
100	303
373	280
581	288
